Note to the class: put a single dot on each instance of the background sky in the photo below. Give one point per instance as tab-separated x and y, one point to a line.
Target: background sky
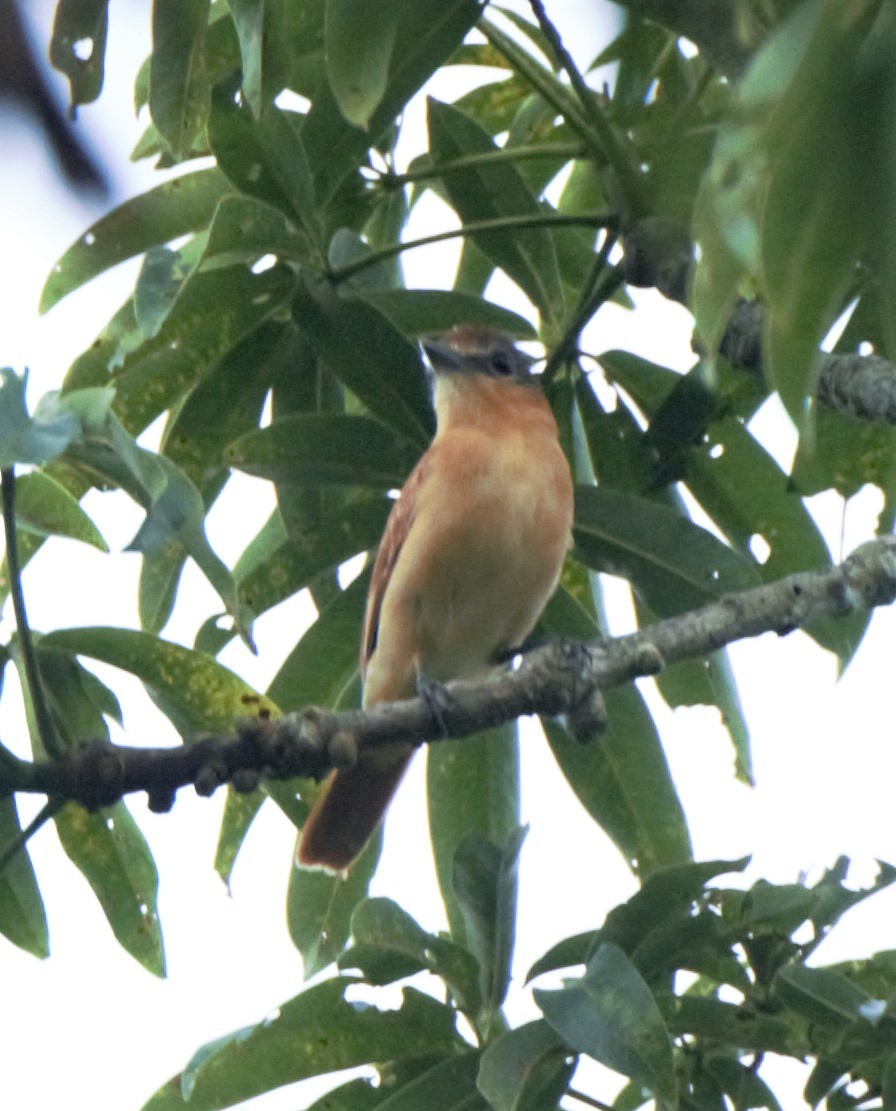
89	1026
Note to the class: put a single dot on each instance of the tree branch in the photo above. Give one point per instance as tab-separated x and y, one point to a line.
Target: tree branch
863	386
562	678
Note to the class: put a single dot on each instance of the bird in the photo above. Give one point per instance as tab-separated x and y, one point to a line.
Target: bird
472	551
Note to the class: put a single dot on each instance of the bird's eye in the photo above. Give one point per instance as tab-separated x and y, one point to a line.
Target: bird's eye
500	363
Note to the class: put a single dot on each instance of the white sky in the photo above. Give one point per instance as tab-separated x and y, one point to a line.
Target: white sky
89	1025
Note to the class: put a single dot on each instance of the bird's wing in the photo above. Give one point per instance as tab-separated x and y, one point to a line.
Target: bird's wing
398	526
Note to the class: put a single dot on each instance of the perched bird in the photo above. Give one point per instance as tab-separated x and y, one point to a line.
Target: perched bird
471	553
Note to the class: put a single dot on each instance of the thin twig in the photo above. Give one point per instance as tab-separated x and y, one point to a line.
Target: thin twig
601	140
597	288
522	153
9	852
583	1097
43	722
500	223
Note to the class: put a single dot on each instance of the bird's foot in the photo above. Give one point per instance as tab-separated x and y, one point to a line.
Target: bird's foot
438	701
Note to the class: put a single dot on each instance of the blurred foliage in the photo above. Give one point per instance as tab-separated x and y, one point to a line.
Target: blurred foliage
755	158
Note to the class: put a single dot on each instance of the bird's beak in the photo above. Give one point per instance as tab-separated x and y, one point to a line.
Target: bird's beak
441	357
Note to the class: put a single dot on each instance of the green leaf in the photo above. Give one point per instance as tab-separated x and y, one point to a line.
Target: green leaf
192	689
178	82
421	312
112	854
767	508
427	33
226	403
240	811
388	945
322	669
623	781
262	28
46	508
172	209
526	1069
107	847
366	352
472	788
741	1083
313	448
23	920
622	778
316	1032
359	40
78	46
264	159
822	995
31	439
488	192
449	1085
485	886
282	566
319	907
673	563
611	1015
397	1080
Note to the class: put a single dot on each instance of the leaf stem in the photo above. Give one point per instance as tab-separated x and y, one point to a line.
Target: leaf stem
594	129
599	286
45	730
500	223
9	852
583	1097
522	153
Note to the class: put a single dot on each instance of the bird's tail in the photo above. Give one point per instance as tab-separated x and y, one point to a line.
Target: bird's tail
349	809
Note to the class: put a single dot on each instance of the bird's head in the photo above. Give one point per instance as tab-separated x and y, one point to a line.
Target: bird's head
469	349
480	377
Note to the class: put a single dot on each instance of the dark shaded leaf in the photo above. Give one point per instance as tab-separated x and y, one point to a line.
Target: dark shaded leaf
428	31
472	788
178	82
674	564
314	448
264	158
421	312
78	46
742	1084
358	46
485	886
366	352
388	945
526	1069
492	191
823	995
264	48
